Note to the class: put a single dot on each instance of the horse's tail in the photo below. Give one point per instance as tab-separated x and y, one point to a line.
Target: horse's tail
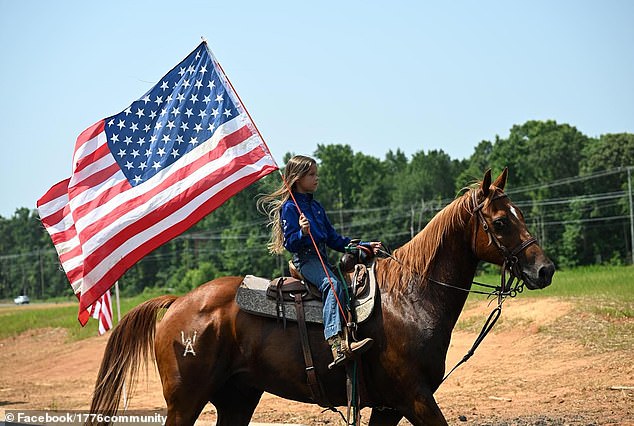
129	346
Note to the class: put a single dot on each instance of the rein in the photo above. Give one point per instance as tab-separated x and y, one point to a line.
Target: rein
509	287
504	290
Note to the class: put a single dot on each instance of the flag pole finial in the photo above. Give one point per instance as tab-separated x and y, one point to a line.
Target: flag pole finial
204	39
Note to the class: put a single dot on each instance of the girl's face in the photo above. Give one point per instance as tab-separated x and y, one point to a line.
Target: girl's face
308	183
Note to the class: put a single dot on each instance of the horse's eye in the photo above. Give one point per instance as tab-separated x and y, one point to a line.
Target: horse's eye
499	224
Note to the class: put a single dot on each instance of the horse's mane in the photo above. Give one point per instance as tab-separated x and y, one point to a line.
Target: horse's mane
415	258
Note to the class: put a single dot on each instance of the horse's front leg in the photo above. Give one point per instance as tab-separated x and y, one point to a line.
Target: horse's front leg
425	411
384	417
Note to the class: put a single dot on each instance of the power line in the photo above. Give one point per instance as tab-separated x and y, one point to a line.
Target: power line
568	180
568	200
588	220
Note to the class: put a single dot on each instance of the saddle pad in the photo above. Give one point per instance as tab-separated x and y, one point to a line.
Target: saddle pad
251	297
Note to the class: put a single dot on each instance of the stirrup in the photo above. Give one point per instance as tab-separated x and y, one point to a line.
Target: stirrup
351	346
340	360
362	346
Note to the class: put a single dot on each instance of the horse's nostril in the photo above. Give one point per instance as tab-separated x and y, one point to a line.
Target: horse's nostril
546	273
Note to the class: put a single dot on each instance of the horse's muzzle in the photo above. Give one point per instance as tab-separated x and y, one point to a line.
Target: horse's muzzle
540	276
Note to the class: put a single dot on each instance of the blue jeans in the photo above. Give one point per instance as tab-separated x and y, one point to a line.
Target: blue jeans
311	269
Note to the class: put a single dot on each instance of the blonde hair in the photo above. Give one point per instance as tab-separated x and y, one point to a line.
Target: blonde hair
271	204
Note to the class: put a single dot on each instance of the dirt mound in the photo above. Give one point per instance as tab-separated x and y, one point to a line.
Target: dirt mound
520	375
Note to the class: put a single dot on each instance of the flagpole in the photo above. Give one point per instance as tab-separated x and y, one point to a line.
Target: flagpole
116	292
242	105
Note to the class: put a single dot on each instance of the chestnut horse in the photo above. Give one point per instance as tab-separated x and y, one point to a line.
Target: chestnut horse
208	350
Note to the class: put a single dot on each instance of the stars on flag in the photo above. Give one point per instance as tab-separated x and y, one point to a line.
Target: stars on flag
188	105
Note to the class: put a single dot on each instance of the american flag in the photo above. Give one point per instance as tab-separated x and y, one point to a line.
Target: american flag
145	175
101	310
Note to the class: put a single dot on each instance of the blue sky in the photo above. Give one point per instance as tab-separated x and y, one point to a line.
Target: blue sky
374	75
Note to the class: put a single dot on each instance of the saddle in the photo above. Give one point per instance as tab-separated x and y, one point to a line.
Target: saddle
272	298
276	298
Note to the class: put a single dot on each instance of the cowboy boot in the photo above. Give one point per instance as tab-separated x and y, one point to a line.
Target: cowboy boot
337	351
341	352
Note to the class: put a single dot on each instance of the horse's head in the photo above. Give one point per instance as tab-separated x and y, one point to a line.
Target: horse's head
499	235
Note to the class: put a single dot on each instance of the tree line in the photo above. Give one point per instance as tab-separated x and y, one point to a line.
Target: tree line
572	189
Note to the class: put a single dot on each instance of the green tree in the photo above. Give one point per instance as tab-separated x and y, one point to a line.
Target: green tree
572	237
609	235
336	185
538	153
571	188
476	165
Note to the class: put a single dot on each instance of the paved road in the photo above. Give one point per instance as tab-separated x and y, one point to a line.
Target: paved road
35	305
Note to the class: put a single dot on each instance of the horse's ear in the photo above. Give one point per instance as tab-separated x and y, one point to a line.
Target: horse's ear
500	182
486	183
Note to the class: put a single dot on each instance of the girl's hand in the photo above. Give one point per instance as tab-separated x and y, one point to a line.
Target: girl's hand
376	245
304	224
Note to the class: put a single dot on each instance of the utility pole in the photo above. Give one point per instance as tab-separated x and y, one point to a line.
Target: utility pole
280	264
420	216
39	257
411	224
341	227
629	193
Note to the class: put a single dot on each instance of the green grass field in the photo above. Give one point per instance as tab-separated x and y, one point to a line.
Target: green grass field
58	313
603	298
602	294
604	282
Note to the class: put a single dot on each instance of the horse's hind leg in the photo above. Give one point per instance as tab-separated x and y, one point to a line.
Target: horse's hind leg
384	417
235	406
184	411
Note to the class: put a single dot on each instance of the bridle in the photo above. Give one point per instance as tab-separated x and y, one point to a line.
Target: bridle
511	262
508	287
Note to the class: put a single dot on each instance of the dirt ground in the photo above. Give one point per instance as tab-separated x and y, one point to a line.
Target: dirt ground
520	375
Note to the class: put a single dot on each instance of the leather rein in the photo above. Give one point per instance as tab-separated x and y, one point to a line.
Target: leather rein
510	286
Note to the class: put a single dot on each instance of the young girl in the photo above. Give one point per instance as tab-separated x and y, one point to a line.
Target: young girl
291	232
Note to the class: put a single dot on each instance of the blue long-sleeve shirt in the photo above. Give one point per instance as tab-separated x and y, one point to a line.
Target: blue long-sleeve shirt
320	227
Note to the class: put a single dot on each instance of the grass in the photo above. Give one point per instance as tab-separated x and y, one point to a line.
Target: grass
59	314
603	315
614	283
594	330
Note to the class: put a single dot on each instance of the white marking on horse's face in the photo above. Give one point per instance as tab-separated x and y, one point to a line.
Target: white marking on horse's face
514	212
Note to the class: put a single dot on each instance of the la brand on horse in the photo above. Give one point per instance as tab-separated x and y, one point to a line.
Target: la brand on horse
209	350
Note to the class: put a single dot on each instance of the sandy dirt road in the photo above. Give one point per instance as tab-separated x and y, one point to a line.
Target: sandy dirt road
520	375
